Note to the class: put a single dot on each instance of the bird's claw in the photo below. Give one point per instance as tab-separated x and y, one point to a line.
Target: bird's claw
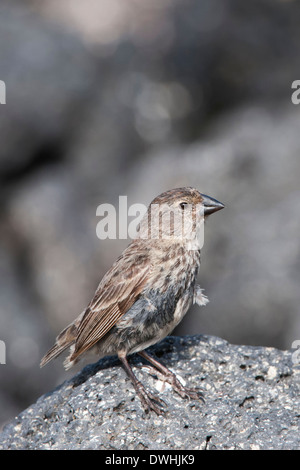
150	402
184	392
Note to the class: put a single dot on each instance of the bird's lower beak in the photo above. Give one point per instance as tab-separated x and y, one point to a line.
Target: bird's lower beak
211	205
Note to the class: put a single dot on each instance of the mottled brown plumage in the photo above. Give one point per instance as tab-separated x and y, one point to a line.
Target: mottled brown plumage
146	292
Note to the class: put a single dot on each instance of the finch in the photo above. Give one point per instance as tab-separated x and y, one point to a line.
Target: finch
146	292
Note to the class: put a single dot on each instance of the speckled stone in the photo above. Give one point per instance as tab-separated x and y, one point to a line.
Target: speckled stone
252	401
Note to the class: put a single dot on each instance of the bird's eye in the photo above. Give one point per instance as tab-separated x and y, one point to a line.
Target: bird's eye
183	205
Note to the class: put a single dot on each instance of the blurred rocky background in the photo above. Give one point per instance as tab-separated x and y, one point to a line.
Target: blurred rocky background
132	97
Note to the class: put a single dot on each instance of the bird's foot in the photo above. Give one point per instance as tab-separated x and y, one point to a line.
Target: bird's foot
169	377
149	401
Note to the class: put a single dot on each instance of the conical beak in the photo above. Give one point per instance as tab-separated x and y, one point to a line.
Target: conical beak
211	205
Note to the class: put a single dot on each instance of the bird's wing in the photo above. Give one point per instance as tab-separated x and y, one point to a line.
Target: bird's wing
116	293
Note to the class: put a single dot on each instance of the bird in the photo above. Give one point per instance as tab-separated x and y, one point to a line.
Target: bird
146	292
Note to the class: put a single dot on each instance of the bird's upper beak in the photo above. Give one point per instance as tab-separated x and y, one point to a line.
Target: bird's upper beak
211	205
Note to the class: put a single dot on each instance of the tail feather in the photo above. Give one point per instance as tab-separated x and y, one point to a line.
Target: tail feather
64	340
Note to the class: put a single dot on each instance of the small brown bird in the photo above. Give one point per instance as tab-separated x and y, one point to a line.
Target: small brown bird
147	291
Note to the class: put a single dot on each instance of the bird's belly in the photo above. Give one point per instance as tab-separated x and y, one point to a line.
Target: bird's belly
150	319
167	326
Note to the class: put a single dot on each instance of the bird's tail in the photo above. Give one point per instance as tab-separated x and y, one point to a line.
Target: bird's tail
64	340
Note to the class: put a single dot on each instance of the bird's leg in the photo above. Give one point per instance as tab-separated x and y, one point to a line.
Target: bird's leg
171	378
147	399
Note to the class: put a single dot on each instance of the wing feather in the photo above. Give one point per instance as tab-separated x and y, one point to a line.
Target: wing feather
116	293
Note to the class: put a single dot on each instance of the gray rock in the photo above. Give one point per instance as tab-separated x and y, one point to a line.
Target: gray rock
251	402
48	75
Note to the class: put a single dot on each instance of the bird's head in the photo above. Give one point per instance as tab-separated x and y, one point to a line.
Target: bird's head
178	214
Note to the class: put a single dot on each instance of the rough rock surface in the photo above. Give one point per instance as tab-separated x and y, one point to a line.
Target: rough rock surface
251	402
